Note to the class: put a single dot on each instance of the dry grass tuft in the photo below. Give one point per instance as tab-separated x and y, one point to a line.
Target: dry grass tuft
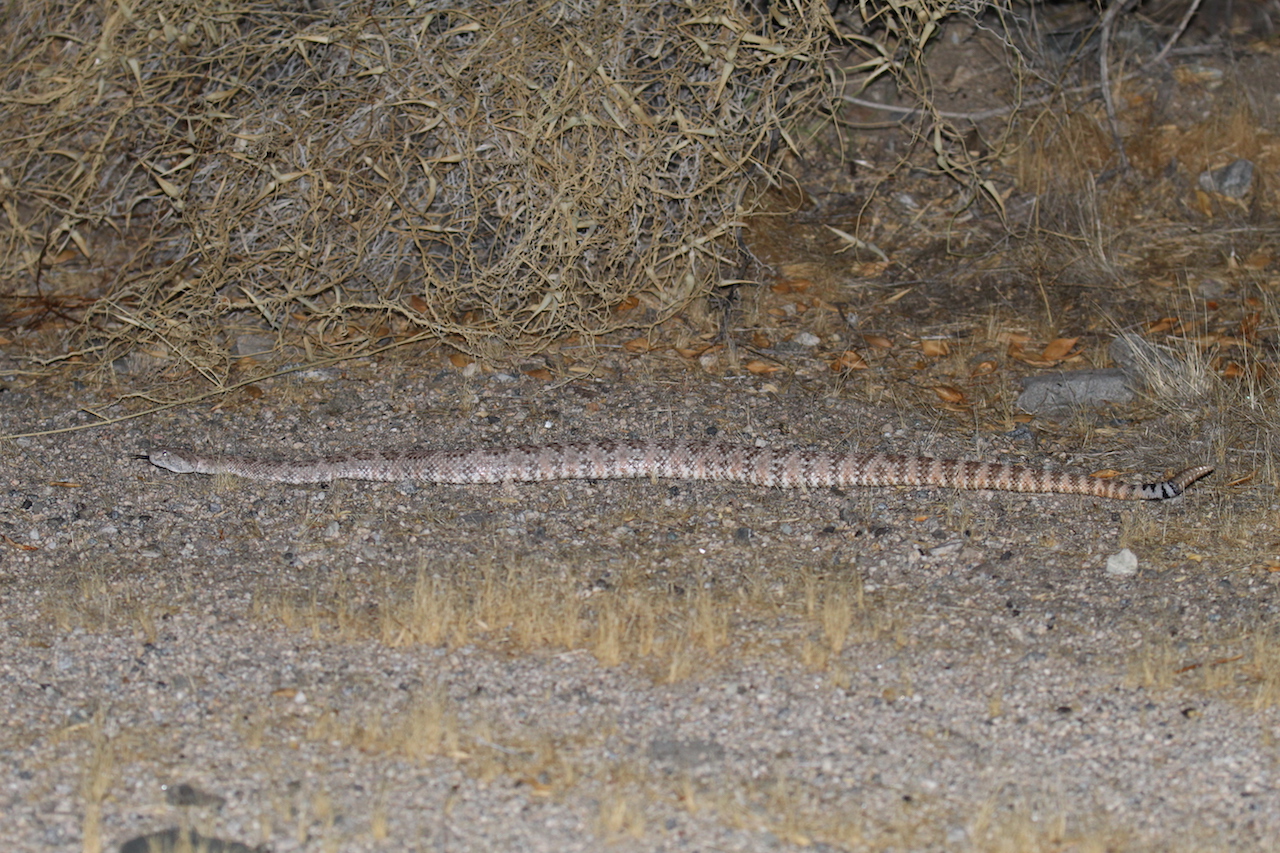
1177	376
1243	666
1018	828
669	633
672	636
99	775
197	188
1264	667
97	603
199	184
837	609
431	726
621	817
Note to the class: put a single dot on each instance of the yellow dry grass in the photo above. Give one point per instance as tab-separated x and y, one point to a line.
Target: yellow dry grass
526	607
200	184
199	189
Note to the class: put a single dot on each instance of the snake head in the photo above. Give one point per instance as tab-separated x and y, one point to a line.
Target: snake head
171	460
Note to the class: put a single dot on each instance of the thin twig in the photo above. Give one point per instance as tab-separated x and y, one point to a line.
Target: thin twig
1104	67
994	112
912	112
1182	26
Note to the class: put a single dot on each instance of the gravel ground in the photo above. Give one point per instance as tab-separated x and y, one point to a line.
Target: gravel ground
196	653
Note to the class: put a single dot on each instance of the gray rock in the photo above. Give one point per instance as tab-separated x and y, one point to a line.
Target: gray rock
1056	394
1234	180
1122	564
685	753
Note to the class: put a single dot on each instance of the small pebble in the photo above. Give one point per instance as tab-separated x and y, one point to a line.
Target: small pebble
1122	564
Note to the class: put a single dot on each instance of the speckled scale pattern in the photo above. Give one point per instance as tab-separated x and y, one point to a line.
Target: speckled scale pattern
680	460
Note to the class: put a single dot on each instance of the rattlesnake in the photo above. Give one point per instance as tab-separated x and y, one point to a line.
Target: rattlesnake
675	459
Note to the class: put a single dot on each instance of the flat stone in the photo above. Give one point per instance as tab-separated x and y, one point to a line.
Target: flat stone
1056	394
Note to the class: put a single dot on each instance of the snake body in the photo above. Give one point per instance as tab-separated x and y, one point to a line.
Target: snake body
674	459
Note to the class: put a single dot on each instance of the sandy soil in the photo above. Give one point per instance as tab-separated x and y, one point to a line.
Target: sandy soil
880	669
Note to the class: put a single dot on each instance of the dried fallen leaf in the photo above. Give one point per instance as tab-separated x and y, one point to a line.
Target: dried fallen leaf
761	341
539	373
792	285
762	368
1017	353
1191	74
627	304
1240	481
417	303
1218	662
1249	326
849	360
1058	349
878	341
869	269
692	352
949	393
1164	324
1214	339
934	348
21	546
1258	260
984	367
535	787
460	360
638	345
1204	204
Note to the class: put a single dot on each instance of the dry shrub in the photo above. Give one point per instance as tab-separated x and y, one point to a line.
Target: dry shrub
497	175
1063	153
